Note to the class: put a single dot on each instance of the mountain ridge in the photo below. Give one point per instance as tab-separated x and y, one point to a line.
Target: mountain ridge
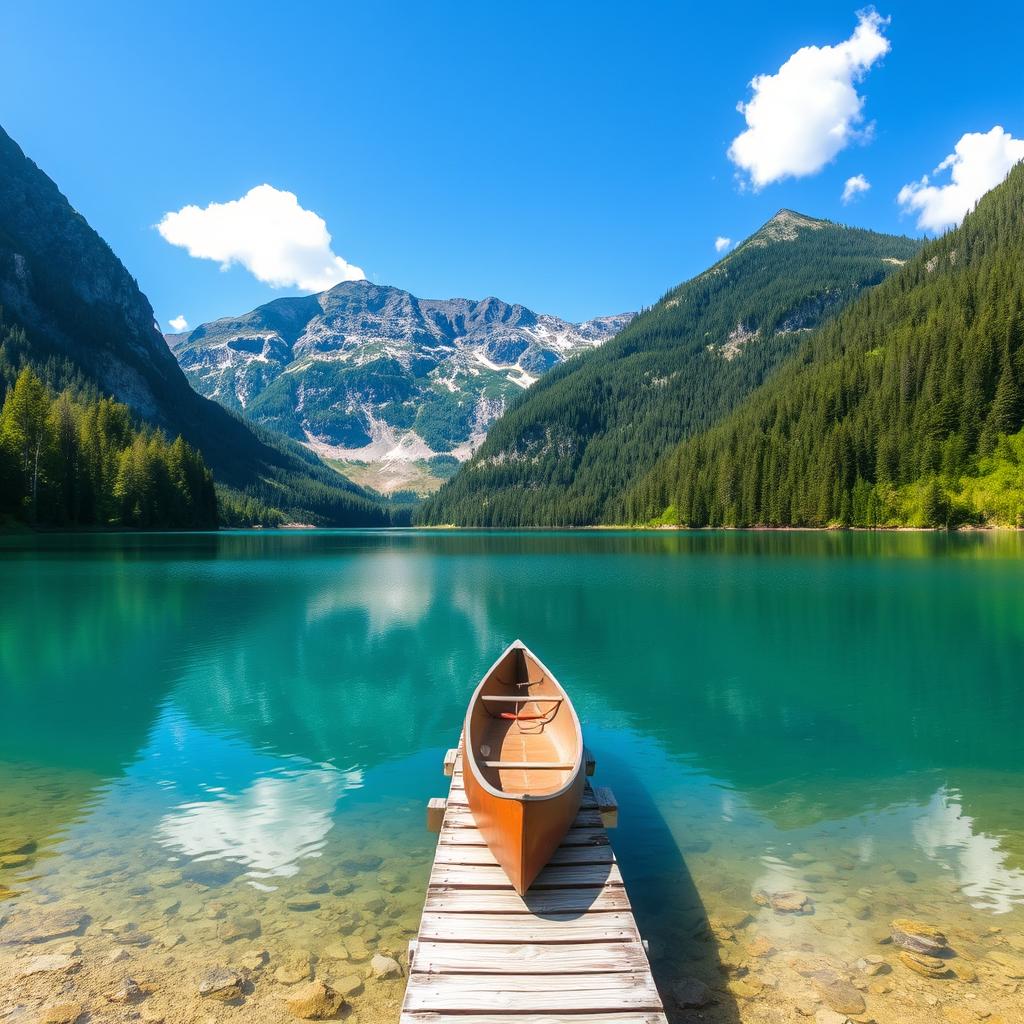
371	374
567	451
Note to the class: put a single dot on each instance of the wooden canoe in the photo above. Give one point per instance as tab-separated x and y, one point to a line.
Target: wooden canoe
523	764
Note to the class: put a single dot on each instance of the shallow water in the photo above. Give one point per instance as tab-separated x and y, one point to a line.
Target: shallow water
219	745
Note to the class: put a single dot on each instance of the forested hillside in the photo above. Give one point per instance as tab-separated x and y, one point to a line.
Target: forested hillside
77	459
906	409
567	450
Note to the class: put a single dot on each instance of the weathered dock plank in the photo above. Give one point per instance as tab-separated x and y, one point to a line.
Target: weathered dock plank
567	950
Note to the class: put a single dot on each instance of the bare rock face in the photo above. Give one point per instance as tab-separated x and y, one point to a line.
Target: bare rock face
223	984
917	937
373	369
315	1000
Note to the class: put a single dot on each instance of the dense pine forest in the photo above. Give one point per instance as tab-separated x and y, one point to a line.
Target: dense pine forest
907	409
570	447
75	459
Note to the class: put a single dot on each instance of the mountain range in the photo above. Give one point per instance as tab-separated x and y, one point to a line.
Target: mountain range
391	389
85	321
568	451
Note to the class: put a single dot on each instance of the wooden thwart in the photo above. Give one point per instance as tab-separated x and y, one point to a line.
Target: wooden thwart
569	950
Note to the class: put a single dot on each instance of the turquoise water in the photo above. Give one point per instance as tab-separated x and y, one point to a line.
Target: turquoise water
227	742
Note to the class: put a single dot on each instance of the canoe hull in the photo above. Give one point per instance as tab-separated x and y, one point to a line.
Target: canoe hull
523	832
523	765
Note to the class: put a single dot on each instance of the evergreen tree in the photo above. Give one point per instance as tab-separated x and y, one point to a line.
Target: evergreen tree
23	427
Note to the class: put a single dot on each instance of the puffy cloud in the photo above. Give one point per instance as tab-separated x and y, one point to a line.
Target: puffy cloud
268	233
854	187
179	323
979	162
809	110
722	243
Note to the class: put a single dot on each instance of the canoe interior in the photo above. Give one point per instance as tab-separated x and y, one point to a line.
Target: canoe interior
549	740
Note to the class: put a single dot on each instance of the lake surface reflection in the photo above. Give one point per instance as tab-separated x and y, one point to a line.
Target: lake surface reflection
217	746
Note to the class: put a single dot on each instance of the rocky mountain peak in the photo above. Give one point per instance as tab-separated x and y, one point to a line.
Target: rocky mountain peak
377	380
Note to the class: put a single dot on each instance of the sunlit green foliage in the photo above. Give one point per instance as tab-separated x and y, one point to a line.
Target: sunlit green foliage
70	462
904	410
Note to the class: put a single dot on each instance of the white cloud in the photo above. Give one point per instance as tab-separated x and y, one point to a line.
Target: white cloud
722	243
809	110
179	323
268	233
979	162
854	187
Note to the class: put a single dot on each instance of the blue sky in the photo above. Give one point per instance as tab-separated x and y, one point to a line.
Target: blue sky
573	157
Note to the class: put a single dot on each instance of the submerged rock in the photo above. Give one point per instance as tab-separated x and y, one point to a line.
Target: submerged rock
315	1000
788	902
923	964
57	924
872	965
385	967
760	946
16	847
917	937
235	928
964	971
50	963
350	985
222	983
359	864
826	1016
294	969
841	996
212	873
254	961
1010	964
61	1013
129	991
691	994
303	905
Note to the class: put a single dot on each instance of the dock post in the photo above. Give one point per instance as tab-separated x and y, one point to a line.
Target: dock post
436	806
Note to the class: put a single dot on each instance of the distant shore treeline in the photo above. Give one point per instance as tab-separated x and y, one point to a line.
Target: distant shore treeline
77	459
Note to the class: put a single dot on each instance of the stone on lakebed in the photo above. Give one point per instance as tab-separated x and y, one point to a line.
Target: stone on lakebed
222	983
315	1000
923	964
917	937
691	994
61	1013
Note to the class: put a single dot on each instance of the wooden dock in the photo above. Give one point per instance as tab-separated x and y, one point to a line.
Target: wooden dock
569	951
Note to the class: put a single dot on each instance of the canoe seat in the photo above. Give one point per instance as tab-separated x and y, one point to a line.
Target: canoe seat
529	765
521	700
